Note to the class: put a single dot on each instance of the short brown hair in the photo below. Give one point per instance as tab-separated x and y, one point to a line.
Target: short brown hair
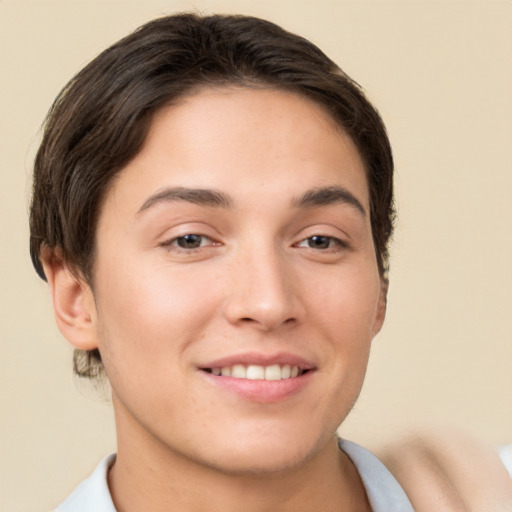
100	120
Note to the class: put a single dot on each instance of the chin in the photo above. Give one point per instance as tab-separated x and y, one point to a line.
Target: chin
266	455
258	466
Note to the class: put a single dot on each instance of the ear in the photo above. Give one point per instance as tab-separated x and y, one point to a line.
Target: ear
73	301
381	307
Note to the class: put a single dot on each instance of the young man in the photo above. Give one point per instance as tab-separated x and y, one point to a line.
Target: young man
212	206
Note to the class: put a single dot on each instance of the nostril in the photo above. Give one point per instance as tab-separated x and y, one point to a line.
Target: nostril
248	320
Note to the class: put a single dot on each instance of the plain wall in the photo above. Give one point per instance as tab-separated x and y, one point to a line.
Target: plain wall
441	75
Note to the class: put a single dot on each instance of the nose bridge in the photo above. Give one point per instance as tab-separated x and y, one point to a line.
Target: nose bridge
263	292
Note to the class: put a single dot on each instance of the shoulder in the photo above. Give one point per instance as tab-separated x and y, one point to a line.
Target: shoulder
92	495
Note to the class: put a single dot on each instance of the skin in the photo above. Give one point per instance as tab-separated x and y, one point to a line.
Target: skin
258	283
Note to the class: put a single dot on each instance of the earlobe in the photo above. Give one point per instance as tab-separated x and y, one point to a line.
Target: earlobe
73	301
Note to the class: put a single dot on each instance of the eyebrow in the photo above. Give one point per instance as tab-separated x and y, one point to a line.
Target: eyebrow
202	197
323	196
328	195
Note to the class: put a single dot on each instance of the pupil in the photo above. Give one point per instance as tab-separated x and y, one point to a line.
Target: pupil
319	242
189	241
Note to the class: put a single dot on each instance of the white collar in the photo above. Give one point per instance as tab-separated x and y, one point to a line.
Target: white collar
383	491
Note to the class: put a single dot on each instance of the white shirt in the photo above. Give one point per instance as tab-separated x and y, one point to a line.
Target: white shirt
384	492
506	457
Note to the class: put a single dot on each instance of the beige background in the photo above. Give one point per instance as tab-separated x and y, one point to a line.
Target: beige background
441	74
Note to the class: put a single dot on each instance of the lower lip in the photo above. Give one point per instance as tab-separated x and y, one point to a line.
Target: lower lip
261	391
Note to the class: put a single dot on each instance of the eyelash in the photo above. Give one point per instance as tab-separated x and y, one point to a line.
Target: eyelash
333	243
174	243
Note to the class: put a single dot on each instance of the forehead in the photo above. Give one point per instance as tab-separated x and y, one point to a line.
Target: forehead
243	141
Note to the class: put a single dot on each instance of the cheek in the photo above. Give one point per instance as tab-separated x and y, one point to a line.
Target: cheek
146	320
346	301
152	300
346	310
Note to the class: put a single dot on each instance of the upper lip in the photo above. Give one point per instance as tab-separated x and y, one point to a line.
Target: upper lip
261	359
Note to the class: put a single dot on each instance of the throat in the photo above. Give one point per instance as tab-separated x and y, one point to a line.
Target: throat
327	482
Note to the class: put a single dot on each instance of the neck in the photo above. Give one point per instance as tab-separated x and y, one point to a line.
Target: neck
150	476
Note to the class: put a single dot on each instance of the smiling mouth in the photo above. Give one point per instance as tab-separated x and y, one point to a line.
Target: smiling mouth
256	372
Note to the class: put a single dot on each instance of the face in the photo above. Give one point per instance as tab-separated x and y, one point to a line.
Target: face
236	290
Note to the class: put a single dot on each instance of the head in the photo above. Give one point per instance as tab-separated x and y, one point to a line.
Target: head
101	118
104	133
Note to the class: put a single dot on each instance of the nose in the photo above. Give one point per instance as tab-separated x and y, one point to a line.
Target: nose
263	292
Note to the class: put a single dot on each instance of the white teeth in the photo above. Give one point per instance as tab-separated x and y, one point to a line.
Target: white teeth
273	372
257	372
238	371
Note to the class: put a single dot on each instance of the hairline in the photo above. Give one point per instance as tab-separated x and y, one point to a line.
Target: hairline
214	84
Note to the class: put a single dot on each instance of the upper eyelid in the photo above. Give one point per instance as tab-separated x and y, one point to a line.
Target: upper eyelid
193	227
328	227
208	231
326	230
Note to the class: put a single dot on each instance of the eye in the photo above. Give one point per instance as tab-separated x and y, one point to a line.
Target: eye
321	242
190	241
